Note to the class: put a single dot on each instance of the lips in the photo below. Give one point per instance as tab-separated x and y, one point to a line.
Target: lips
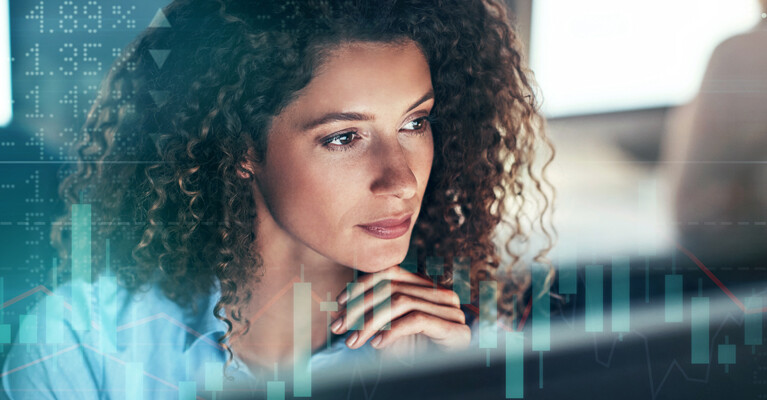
389	222
389	228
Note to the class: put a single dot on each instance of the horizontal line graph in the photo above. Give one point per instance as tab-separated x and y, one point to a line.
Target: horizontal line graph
655	383
674	364
163	316
39	288
717	282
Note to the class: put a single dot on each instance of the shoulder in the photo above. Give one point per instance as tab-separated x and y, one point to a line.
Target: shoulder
81	327
738	55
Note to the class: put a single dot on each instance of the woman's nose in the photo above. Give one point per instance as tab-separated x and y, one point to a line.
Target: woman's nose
393	173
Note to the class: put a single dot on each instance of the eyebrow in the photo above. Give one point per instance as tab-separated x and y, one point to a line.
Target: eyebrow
355	116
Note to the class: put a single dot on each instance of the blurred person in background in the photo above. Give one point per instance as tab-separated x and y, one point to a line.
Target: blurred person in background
715	152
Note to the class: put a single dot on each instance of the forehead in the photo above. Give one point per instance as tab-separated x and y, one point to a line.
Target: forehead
360	73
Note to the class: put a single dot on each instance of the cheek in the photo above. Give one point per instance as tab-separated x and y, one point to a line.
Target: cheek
313	198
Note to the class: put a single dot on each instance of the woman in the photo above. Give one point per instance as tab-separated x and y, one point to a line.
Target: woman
239	148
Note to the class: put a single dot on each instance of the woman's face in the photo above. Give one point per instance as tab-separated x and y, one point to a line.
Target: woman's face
353	149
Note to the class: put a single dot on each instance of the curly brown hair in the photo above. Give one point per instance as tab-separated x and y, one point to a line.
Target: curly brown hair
161	147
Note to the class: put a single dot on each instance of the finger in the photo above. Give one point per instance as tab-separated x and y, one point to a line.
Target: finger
366	282
383	291
400	305
446	334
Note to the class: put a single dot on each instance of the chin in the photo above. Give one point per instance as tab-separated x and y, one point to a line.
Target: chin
375	263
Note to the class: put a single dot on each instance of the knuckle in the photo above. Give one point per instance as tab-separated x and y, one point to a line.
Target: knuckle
418	316
399	302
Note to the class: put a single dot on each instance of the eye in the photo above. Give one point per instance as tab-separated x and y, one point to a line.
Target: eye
341	141
421	124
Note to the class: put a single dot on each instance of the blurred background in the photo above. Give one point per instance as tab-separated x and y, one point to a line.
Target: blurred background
658	113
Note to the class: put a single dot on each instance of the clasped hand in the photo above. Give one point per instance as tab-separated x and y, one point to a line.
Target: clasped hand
416	307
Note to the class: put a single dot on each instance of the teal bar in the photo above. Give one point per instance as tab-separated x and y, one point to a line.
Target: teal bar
356	306
81	266
568	268
726	353
674	298
515	371
488	312
699	323
108	313
621	276
27	328
383	290
541	310
754	318
2	298
594	298
461	278
214	376
275	390
134	381
5	333
410	263
435	266
54	326
302	339
187	390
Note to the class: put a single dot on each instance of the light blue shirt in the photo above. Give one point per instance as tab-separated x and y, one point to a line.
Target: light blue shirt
142	344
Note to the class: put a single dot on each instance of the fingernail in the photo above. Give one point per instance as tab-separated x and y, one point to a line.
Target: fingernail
376	341
337	324
344	296
352	339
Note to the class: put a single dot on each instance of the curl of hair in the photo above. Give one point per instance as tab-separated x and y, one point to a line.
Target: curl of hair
161	148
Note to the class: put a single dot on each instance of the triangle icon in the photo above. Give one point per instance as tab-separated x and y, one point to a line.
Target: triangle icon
159	20
159	56
159	97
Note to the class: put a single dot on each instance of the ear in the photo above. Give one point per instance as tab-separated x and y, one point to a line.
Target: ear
248	167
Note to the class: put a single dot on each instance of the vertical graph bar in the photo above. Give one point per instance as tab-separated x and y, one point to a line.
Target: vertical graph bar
187	390
488	314
275	390
410	263
383	290
648	204
515	371
134	381
726	352
699	323
594	298
54	325
5	333
108	313
27	328
302	339
568	268
754	319
461	278
541	310
5	329
6	81
355	306
81	266
674	298
435	266
621	275
214	376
